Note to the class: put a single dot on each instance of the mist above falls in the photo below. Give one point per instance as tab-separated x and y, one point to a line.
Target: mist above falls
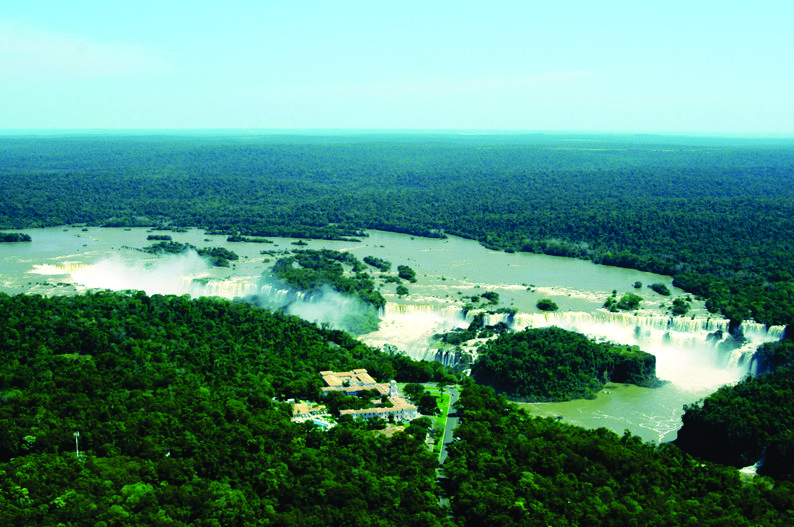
325	306
188	273
166	275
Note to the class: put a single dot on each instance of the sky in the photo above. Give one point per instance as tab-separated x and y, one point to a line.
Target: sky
694	67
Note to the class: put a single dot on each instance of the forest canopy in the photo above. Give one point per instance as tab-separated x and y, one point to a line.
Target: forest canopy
553	364
182	420
180	410
181	404
507	468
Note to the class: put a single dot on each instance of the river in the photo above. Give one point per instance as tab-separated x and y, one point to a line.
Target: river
449	271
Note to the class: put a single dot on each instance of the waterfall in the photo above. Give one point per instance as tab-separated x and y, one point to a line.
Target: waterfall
691	352
491	319
409	310
57	269
445	357
625	328
760	333
271	295
244	287
230	288
646	323
411	327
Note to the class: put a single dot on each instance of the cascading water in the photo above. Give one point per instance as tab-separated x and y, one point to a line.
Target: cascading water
188	274
444	311
233	288
411	327
275	296
184	274
696	355
66	268
693	353
700	352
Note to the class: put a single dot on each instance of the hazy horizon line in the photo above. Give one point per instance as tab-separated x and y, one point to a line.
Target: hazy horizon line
387	131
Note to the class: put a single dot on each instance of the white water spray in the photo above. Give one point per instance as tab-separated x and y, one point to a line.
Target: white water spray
170	274
693	353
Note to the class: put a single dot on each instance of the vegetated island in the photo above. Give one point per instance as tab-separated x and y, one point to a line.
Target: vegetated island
13	237
217	256
553	364
314	272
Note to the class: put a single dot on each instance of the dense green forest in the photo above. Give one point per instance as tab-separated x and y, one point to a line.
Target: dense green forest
176	407
716	214
552	364
512	469
174	403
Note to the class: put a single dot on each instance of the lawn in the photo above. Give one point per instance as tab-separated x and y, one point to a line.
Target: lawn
440	420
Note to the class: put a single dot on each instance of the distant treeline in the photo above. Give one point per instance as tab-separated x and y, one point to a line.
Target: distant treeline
719	217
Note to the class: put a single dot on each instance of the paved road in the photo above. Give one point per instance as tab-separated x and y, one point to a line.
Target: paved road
452	422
